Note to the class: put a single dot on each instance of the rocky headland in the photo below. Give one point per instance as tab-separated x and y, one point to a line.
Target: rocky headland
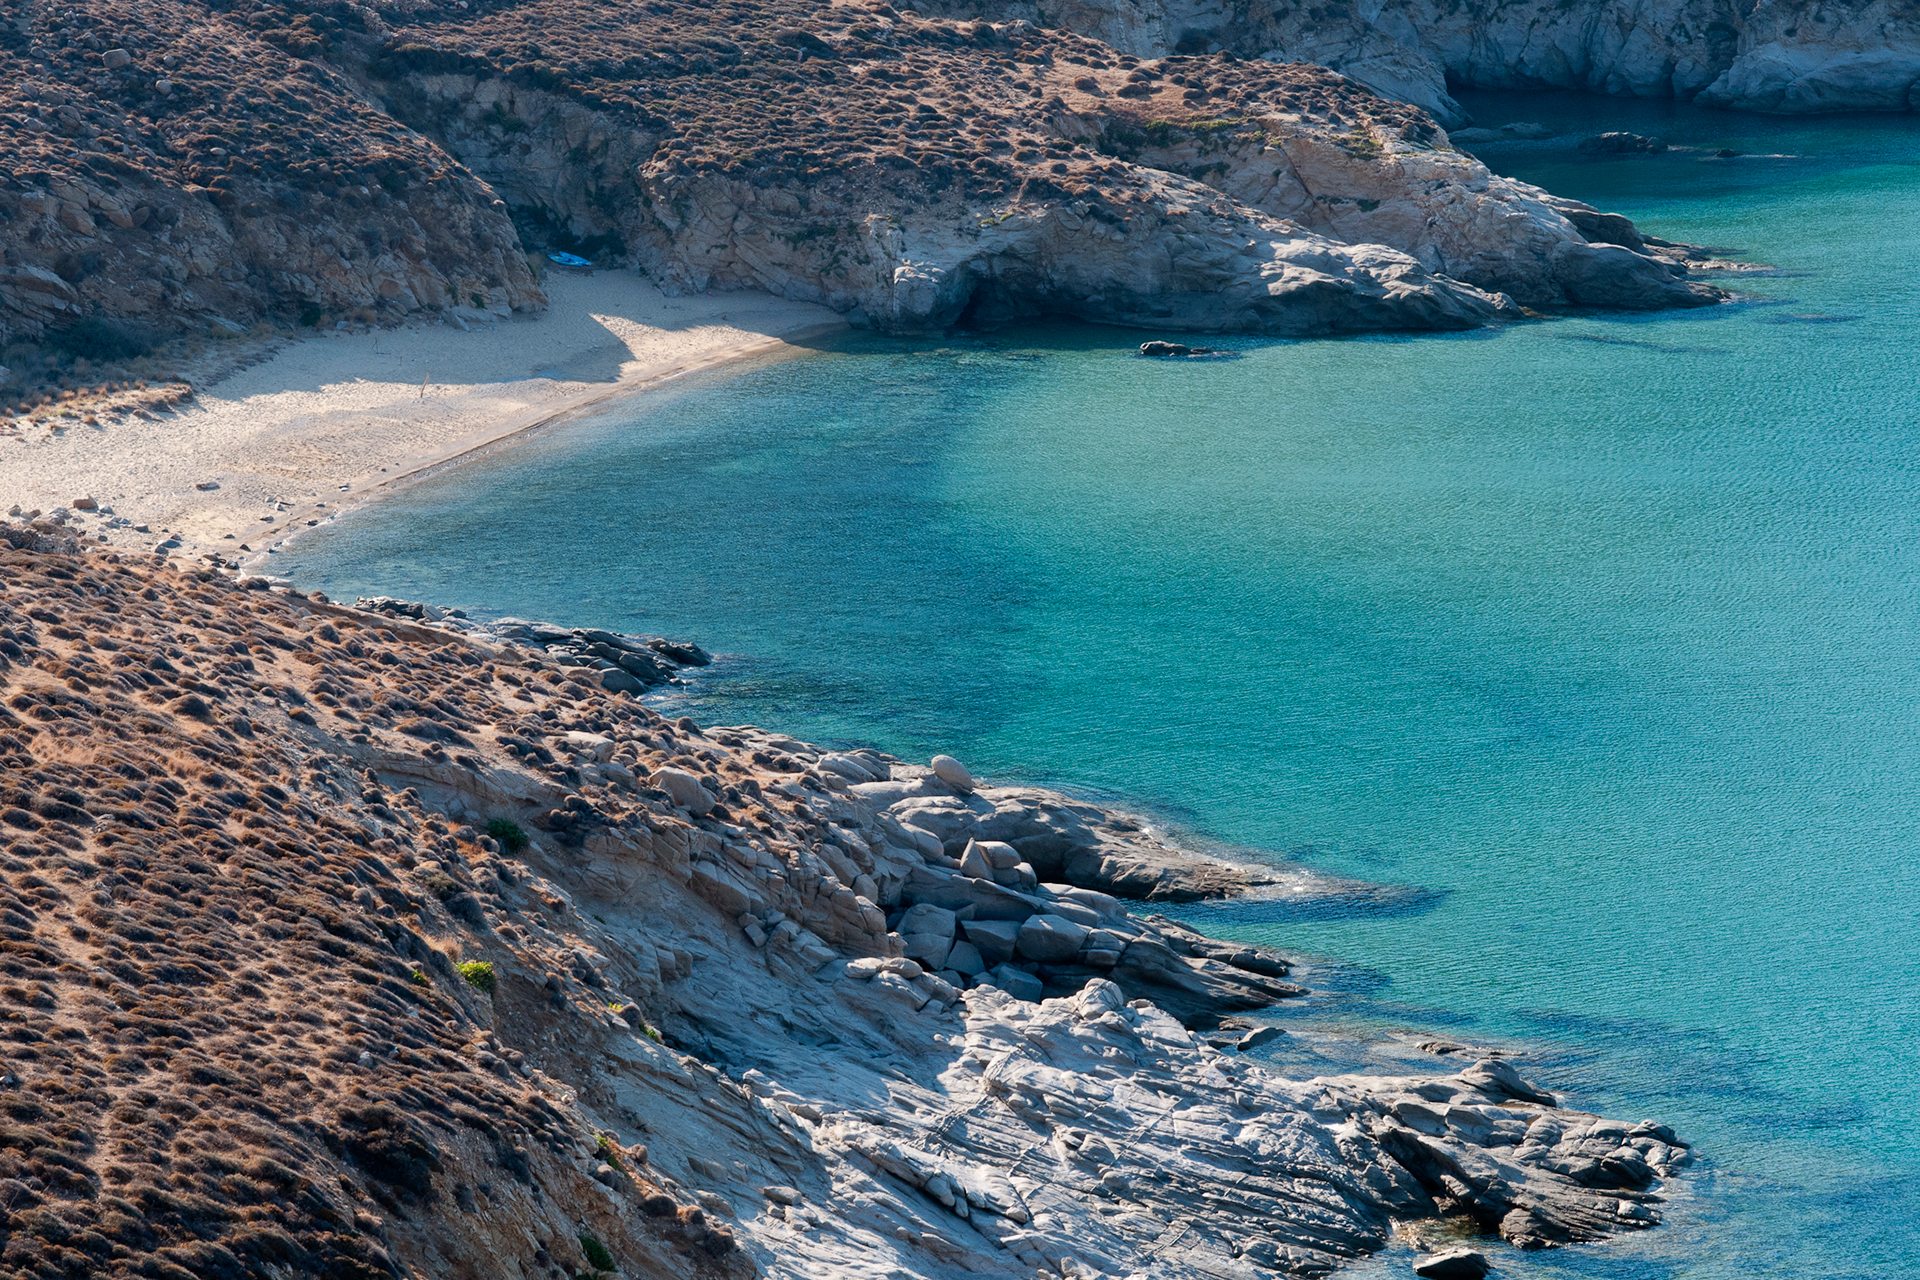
186	171
1777	56
367	943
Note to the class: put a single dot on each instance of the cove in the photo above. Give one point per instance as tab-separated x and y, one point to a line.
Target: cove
1585	654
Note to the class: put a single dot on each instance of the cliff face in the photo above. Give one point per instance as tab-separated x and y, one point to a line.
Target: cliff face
332	944
191	165
1753	55
170	166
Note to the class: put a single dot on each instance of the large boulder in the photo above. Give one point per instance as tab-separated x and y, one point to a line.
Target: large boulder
1015	982
928	933
1050	939
684	790
997	940
964	958
953	773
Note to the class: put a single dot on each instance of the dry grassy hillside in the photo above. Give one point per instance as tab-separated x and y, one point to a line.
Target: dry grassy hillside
332	945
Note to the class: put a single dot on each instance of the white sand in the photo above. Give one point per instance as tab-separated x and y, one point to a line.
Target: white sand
326	422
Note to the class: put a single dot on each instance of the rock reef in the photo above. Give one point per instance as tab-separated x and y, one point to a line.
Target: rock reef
185	166
336	943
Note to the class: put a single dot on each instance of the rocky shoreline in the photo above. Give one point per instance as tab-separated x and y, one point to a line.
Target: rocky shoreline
304	170
713	1000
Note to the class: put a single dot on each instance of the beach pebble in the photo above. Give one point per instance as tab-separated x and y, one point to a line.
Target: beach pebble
952	772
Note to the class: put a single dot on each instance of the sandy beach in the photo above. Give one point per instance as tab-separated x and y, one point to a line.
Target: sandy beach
323	423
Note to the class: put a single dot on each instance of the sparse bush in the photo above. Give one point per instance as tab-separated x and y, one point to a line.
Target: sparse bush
99	338
419	978
598	1256
508	835
479	975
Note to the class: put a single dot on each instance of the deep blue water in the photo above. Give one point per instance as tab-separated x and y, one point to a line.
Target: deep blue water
1592	645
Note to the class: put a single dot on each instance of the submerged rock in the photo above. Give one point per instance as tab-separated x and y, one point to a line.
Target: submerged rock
1621	143
1164	350
1451	1264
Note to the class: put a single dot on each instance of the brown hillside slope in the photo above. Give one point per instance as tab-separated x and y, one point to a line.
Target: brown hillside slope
242	855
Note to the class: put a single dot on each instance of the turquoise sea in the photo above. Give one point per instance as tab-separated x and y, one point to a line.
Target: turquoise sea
1584	654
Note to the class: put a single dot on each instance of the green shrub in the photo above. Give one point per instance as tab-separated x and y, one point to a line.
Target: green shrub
100	338
598	1257
419	978
479	975
507	834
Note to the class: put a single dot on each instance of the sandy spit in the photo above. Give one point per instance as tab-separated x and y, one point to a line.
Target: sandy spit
329	422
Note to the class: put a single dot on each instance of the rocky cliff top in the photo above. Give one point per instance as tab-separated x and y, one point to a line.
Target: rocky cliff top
334	943
200	168
1785	56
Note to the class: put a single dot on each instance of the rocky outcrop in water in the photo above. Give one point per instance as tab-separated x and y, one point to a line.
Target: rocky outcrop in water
1754	55
344	944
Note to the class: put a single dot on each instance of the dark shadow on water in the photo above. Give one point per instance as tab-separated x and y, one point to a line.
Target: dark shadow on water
1331	901
1810	318
1641	344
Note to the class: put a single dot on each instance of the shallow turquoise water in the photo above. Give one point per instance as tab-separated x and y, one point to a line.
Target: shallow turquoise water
1595	644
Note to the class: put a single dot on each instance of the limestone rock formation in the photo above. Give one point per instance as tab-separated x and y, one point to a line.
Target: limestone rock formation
1783	56
351	945
299	163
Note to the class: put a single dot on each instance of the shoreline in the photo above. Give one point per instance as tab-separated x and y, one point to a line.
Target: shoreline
330	423
750	350
650	906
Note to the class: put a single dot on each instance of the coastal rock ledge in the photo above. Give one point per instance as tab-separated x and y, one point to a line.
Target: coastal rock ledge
342	944
316	165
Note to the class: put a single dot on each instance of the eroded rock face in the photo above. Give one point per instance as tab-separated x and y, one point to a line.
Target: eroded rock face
306	163
404	942
1755	55
1197	193
209	177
